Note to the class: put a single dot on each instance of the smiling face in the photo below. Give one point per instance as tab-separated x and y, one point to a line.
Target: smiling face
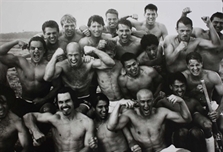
132	67
65	103
124	32
36	51
150	16
74	55
184	32
218	24
69	28
51	35
178	88
3	107
101	109
96	29
195	67
112	20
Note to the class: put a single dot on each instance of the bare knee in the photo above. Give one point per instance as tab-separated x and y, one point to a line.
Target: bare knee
196	133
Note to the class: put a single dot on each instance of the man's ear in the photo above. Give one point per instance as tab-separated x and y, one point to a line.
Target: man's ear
123	71
170	86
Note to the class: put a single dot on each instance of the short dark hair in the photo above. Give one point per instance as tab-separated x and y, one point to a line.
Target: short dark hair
176	76
125	22
51	24
40	39
217	14
110	45
148	40
95	18
112	11
73	95
194	55
101	96
151	7
185	21
126	57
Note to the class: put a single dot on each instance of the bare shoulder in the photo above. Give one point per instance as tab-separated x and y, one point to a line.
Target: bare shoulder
169	39
160	25
148	69
186	73
84	119
84	41
212	75
122	79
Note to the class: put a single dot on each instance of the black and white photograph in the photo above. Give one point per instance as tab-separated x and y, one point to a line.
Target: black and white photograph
111	76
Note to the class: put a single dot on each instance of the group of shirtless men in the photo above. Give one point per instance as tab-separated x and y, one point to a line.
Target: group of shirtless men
114	87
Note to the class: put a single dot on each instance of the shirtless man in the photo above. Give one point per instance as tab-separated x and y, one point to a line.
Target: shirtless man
110	141
147	124
35	91
135	77
152	54
51	34
95	25
69	31
108	78
12	127
177	47
125	41
112	22
71	130
194	74
211	59
178	86
149	26
74	72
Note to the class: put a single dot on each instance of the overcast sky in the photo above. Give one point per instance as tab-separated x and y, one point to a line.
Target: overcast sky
29	15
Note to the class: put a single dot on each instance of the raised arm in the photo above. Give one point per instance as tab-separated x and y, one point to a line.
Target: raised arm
7	46
214	37
104	61
116	122
183	115
53	71
171	53
23	136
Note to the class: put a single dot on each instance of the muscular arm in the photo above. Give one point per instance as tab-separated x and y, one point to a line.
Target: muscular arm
171	53
7	46
89	134
219	88
23	136
53	71
105	61
183	115
30	120
116	122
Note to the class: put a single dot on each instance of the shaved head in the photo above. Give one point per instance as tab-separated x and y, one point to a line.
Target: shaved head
144	94
73	46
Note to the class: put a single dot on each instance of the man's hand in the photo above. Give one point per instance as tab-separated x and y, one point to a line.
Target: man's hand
58	52
182	46
213	115
206	20
22	44
101	44
136	148
93	143
38	138
200	88
86	58
135	16
186	11
88	49
127	103
84	29
174	99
